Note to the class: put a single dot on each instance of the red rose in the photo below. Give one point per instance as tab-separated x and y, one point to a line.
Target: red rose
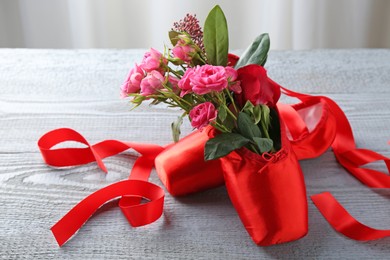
232	59
256	86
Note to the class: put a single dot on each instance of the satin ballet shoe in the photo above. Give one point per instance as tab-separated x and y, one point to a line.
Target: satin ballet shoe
182	169
310	126
268	192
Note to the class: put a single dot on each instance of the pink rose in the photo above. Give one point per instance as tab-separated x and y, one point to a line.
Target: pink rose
205	79
208	78
183	51
202	114
151	83
152	60
257	87
133	81
185	82
232	75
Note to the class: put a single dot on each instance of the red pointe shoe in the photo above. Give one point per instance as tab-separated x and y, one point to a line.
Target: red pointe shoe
310	127
268	192
182	168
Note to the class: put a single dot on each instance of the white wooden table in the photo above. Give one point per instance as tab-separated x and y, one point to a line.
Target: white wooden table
45	89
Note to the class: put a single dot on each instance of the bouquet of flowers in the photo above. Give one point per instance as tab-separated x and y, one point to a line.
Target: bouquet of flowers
198	75
235	100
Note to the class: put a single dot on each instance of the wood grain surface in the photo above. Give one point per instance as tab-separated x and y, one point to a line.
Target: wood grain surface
45	89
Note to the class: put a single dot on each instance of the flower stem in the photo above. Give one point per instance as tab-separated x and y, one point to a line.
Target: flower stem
176	99
231	113
220	127
232	100
174	72
217	127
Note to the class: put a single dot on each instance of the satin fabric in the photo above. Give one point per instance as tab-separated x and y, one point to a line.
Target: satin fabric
309	143
182	169
344	147
306	140
130	191
306	144
268	193
343	222
137	214
352	159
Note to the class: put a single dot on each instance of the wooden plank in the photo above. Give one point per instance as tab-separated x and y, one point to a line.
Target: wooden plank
46	89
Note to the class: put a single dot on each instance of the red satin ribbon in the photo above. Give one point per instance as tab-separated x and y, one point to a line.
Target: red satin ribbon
345	150
131	191
342	221
137	214
351	158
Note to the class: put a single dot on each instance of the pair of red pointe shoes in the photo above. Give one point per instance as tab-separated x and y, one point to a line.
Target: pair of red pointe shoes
309	127
268	190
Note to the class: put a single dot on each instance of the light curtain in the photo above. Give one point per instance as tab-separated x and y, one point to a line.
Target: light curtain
292	24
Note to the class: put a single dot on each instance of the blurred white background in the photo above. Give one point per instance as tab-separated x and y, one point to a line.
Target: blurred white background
292	24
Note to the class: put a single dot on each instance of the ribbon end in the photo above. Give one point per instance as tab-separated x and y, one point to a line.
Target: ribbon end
101	165
99	161
319	196
61	240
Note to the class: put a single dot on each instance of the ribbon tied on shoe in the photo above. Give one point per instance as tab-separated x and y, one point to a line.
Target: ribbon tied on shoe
131	191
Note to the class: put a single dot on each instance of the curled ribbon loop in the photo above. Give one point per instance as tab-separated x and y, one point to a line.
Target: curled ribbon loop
131	191
67	156
344	147
138	215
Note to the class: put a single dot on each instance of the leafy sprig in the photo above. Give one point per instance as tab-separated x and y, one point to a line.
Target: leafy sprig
250	127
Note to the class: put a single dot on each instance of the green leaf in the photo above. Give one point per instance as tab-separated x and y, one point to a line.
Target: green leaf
223	144
216	38
175	126
229	123
222	113
248	107
256	53
264	144
247	127
265	115
155	102
189	98
257	114
138	99
176	61
254	111
173	36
